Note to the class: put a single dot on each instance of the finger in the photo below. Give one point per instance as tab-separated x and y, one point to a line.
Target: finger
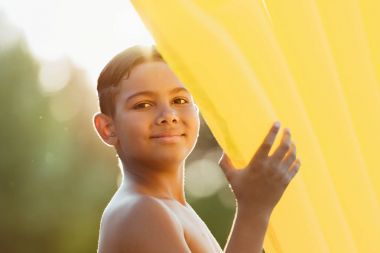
289	158
294	169
283	148
226	165
265	147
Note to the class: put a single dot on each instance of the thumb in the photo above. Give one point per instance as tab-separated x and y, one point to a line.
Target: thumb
227	167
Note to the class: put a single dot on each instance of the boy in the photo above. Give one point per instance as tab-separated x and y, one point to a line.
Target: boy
153	123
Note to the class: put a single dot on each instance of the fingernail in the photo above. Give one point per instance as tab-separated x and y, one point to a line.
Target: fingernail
277	124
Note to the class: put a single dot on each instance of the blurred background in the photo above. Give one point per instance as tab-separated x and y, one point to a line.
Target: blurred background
56	176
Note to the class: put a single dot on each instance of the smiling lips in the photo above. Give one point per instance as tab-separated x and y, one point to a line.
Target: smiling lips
168	137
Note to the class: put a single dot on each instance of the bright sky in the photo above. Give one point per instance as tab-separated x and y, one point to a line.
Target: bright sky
88	32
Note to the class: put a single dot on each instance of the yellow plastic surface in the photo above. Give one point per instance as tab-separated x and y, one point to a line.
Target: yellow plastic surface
313	65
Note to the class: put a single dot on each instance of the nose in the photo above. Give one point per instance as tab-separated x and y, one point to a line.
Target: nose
167	116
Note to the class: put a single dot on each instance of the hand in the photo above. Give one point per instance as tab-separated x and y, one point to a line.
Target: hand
259	186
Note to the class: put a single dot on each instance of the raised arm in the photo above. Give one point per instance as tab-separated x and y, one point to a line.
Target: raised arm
257	189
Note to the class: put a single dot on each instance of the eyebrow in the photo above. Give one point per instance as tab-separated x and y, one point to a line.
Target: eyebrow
151	93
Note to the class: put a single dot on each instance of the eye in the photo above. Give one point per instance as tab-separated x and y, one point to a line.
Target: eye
184	101
142	105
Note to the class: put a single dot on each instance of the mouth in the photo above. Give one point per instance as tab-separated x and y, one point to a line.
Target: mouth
168	138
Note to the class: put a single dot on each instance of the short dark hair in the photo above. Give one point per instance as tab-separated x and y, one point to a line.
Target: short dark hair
120	67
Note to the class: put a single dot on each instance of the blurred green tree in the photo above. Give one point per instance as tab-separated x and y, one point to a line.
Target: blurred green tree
52	189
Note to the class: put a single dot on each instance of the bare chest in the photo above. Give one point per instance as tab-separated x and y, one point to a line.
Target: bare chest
197	235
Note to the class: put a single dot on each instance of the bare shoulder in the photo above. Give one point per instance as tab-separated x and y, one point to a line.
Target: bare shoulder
140	224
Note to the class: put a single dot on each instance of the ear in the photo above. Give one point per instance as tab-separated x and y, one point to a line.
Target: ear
105	128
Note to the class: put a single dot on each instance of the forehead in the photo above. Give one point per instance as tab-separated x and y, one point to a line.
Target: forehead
154	76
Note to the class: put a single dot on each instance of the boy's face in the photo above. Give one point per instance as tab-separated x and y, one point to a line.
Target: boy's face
143	120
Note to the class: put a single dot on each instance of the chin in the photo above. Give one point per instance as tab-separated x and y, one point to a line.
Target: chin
170	157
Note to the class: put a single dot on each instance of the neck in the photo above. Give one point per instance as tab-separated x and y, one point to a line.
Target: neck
166	182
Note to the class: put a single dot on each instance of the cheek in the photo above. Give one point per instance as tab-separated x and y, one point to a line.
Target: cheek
193	122
133	130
